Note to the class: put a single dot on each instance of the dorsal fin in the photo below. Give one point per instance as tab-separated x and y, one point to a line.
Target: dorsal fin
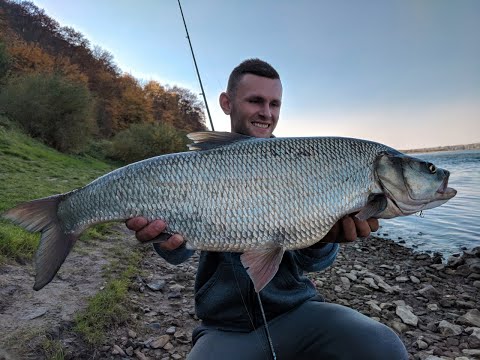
206	140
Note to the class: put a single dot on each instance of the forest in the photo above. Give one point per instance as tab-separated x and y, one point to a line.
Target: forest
59	88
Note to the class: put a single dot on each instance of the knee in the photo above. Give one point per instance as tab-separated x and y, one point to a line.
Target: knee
381	343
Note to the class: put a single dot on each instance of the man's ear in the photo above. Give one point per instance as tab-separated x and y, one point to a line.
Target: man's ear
225	103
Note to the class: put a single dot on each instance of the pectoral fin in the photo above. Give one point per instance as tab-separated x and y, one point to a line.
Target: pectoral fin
375	206
262	265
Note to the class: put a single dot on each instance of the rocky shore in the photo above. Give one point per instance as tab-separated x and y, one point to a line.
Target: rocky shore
432	305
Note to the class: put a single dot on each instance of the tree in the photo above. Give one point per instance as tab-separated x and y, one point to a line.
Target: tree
52	108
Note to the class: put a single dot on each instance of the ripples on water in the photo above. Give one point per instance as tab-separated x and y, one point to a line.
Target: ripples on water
454	226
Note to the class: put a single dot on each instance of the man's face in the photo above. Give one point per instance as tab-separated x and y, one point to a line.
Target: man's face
255	107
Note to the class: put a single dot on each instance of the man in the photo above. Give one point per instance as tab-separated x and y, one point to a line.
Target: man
301	324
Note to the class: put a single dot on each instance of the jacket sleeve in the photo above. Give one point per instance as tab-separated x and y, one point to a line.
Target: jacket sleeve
316	259
176	256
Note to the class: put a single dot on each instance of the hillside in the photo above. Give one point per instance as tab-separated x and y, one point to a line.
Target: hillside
475	146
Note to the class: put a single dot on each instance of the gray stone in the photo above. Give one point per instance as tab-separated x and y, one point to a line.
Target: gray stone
407	316
370	282
449	329
476	283
360	289
399	327
401	279
472	317
351	276
177	288
432	307
171	330
422	345
473	331
117	350
414	279
34	313
345	282
429	292
160	342
140	355
132	334
374	306
156	285
472	352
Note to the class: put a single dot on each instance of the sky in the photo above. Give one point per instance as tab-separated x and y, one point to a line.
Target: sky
405	73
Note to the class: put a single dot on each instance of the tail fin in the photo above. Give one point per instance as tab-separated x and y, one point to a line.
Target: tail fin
55	244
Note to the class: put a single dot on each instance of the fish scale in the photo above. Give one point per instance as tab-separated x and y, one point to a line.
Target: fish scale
241	194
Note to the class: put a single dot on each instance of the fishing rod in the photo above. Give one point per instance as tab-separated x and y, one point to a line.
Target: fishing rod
196	67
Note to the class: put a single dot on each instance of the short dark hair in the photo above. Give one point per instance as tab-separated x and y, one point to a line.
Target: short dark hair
250	66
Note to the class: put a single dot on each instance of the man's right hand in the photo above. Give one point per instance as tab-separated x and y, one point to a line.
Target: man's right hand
145	231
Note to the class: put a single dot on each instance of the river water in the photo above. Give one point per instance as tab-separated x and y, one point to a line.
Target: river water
452	227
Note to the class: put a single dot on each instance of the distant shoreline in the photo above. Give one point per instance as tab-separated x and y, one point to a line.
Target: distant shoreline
475	146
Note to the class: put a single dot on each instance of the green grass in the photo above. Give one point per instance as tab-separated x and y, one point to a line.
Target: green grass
109	307
31	170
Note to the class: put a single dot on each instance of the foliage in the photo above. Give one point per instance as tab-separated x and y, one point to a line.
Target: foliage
51	108
146	140
32	170
4	61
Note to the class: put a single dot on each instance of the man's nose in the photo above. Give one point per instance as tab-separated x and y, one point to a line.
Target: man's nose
266	111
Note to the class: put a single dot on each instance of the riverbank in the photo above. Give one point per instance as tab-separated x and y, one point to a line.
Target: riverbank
432	306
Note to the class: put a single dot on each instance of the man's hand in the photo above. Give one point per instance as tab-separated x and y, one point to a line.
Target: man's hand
145	231
348	229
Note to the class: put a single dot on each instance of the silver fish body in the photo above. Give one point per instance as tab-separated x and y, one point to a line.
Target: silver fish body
264	195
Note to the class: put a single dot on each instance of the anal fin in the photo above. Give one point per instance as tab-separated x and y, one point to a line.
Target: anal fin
375	206
262	265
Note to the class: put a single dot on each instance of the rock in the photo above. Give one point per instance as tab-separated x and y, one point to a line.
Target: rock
476	283
345	282
414	279
406	315
34	313
429	292
168	346
432	307
177	288
360	289
462	358
422	345
449	329
129	351
433	357
171	330
117	350
160	342
472	317
176	356
455	260
472	352
437	267
399	327
473	331
370	282
132	334
374	306
156	285
401	279
351	276
140	355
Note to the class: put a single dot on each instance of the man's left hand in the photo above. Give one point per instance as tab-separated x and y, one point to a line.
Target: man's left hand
348	229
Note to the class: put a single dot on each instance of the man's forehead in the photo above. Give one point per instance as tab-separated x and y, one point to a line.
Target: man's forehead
254	85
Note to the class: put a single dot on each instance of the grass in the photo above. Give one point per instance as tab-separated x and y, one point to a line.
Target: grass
30	170
109	307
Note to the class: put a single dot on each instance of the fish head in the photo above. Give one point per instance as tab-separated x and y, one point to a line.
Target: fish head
411	185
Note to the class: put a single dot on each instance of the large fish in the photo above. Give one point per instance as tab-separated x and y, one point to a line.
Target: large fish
241	194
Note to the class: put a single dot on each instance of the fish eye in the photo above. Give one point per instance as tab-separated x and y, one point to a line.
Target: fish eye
432	168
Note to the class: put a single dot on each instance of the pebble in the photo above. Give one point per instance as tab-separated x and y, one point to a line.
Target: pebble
407	316
472	318
171	330
117	350
160	342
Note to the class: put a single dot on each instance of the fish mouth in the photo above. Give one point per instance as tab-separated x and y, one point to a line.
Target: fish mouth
444	191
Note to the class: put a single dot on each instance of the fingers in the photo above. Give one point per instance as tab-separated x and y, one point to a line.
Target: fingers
172	243
374	224
151	231
362	228
145	231
136	223
349	228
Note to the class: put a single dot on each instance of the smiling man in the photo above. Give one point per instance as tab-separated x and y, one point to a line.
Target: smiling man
302	325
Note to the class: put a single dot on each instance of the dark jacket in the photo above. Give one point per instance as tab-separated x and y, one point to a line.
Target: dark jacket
224	294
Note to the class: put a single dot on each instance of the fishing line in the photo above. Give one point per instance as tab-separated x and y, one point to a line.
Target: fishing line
196	67
246	309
